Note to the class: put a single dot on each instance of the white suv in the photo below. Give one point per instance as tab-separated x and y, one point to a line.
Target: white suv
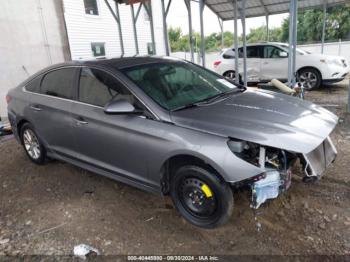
266	61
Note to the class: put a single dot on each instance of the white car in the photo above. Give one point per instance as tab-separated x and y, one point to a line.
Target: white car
266	61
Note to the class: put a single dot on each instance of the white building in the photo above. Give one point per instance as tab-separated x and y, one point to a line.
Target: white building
93	32
33	36
38	33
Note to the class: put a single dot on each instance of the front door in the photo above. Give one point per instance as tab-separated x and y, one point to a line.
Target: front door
253	63
114	143
274	63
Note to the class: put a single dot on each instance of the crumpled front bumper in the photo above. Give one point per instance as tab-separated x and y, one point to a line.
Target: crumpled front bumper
275	182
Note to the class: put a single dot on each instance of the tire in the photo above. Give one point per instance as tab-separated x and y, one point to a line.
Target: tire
201	197
32	144
310	78
232	76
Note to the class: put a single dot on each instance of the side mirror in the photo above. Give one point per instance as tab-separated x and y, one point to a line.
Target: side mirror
119	107
283	54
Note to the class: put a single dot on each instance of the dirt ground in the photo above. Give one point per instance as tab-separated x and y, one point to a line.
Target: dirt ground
50	209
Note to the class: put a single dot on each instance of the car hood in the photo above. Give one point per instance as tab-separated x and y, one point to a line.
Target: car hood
262	117
323	56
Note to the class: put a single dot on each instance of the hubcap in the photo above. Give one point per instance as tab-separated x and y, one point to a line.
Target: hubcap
197	197
308	79
31	144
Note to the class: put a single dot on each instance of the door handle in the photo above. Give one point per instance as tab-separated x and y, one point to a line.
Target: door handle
80	121
35	108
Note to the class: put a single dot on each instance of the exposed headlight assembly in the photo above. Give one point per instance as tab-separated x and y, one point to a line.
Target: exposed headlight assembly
261	156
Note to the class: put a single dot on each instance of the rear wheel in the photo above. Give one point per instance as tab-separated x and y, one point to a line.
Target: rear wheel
310	78
32	145
201	197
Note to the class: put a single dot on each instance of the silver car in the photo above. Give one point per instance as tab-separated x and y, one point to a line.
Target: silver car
171	127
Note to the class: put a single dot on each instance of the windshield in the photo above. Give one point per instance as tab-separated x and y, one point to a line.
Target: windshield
176	85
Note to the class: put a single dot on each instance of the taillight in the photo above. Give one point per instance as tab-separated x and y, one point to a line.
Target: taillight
216	63
8	98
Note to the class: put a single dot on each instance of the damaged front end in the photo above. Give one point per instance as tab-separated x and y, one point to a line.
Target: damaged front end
278	165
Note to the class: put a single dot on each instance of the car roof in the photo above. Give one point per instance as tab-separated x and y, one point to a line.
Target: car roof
116	63
263	43
125	62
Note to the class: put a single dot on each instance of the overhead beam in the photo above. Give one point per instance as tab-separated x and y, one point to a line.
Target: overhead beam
190	30
165	12
134	21
245	75
236	41
221	24
324	24
201	9
116	17
227	14
148	8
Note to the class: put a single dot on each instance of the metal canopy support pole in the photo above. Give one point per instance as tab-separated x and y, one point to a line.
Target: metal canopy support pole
324	24
236	41
221	24
117	19
134	21
295	38
290	52
349	98
190	35
201	9
245	80
165	27
267	28
148	8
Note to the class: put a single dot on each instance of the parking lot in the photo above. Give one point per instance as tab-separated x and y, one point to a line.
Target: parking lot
50	209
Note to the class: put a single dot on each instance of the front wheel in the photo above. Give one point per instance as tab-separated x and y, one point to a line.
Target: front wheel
201	197
310	78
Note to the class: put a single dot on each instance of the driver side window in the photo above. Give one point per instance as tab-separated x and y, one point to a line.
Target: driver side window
272	52
97	87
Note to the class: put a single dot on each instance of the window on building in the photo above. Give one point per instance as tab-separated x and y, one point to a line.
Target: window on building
59	83
91	7
98	88
150	50
98	49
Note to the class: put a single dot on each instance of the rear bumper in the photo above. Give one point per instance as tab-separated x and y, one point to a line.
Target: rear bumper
13	122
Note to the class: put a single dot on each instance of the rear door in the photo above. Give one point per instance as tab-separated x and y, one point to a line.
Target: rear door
115	143
50	110
253	62
274	63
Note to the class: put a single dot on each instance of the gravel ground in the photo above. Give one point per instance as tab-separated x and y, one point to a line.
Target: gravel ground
47	210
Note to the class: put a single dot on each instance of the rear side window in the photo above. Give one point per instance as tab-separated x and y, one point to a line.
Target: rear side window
97	88
59	83
34	85
252	52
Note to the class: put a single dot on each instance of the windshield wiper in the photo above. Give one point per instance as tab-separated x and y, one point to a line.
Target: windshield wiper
185	107
218	96
208	100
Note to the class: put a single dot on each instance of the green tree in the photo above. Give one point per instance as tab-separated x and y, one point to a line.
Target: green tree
310	23
260	34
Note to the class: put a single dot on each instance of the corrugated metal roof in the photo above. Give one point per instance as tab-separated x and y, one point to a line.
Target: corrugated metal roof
254	8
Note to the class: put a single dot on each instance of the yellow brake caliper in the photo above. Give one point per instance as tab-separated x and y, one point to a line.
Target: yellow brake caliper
206	191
